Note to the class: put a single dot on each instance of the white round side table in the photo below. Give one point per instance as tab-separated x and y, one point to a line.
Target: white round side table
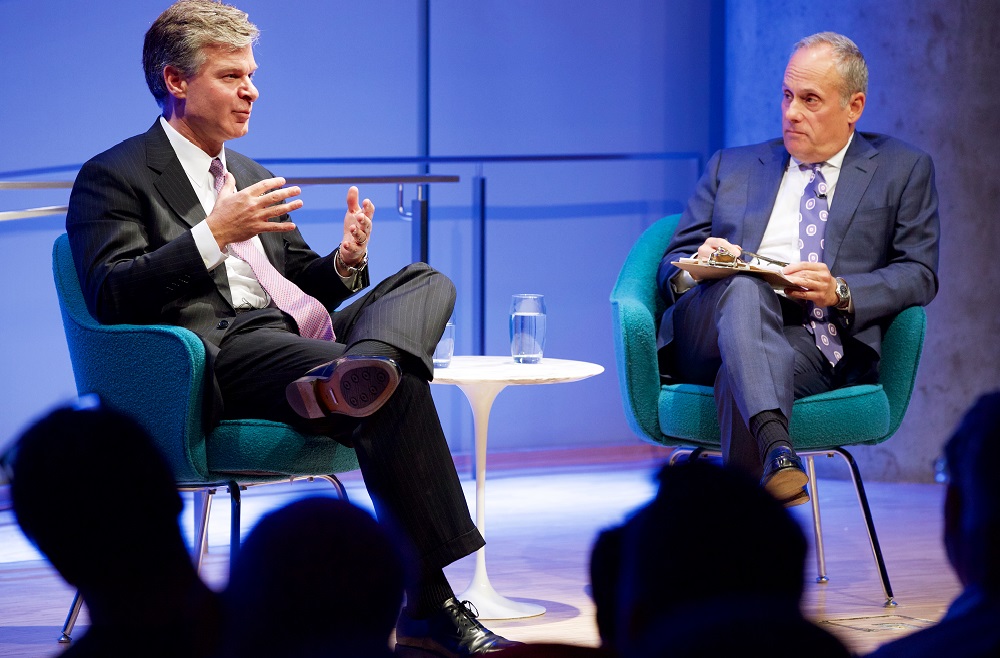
481	378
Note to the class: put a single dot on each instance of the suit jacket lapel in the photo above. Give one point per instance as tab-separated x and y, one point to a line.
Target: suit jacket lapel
173	183
856	174
762	190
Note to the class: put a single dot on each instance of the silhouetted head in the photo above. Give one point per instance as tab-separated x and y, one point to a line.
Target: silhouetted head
605	575
710	532
733	626
95	495
972	503
315	578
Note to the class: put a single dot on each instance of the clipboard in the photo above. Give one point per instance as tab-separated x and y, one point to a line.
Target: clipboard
703	269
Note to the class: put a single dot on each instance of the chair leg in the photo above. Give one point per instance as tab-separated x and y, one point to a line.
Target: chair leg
234	526
337	484
859	487
202	511
817	523
74	612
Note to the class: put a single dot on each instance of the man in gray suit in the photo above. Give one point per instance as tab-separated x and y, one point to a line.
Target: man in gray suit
868	248
173	227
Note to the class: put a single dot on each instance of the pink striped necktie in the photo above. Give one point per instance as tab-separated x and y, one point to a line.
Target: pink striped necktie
311	316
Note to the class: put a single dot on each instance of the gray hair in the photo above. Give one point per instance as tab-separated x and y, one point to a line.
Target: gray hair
847	58
178	38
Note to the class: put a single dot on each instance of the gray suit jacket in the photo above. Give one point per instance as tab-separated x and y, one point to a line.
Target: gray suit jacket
882	235
129	223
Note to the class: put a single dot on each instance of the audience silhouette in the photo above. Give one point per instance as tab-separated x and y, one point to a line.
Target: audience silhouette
971	540
712	566
318	577
95	496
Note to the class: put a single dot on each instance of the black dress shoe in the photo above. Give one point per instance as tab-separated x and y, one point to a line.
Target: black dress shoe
784	476
351	385
451	632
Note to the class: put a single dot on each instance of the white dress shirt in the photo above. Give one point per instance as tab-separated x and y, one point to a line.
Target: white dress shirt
246	292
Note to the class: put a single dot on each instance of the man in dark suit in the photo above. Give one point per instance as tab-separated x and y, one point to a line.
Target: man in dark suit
868	249
173	227
972	542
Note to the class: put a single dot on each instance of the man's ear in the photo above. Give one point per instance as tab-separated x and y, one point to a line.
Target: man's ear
856	106
175	81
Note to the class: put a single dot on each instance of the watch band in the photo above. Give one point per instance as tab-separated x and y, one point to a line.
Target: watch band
352	269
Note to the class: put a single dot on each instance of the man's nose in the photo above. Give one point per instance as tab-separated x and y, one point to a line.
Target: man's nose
250	91
792	112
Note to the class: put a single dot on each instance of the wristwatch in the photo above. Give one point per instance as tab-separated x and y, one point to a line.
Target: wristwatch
352	269
843	295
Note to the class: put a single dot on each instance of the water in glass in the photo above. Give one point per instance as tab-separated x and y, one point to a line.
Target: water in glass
527	328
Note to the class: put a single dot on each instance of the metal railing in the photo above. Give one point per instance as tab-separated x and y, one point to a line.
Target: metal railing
419	213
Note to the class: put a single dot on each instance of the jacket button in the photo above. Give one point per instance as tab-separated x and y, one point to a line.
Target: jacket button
222	324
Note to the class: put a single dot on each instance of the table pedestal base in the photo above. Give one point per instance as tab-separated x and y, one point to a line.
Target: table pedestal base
491	605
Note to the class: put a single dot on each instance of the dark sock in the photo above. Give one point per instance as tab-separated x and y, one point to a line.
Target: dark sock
770	428
407	362
373	348
427	596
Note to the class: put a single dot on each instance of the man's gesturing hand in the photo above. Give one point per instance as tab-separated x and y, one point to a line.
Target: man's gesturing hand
357	228
238	216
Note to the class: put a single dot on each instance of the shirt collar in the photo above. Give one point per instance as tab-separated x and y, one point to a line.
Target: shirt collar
194	161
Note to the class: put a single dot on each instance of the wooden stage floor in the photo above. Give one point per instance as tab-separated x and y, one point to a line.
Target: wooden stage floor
543	514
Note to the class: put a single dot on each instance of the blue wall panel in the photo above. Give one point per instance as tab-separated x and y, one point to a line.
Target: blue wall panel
339	79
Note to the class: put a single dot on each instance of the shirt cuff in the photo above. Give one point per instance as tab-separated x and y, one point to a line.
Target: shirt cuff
682	282
211	255
353	279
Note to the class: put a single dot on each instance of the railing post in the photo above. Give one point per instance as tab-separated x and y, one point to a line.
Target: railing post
420	226
479	264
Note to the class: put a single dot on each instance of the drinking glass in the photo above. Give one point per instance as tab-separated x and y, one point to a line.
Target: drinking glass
527	328
445	347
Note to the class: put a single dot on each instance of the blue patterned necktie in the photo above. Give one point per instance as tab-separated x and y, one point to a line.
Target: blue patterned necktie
813	213
310	315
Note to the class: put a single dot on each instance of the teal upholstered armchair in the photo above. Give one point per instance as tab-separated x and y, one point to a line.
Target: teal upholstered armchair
684	415
156	374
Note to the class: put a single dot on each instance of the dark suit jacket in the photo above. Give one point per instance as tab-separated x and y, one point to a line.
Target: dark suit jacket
129	223
882	235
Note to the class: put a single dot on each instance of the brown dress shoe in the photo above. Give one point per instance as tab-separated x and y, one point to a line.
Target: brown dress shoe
351	385
800	498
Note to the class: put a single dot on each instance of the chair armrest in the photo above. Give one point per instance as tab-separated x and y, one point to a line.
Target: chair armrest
154	373
638	372
635	306
902	346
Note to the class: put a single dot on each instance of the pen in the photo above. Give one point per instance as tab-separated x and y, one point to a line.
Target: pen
779	263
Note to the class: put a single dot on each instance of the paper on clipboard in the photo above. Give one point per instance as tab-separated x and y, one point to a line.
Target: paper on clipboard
702	269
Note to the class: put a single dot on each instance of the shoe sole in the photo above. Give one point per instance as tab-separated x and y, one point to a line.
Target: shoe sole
412	651
787	483
357	387
801	498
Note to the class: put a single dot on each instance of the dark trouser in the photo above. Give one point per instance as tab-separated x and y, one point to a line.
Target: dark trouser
741	337
401	448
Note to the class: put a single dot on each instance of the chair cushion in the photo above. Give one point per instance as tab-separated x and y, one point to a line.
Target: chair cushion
846	416
254	450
